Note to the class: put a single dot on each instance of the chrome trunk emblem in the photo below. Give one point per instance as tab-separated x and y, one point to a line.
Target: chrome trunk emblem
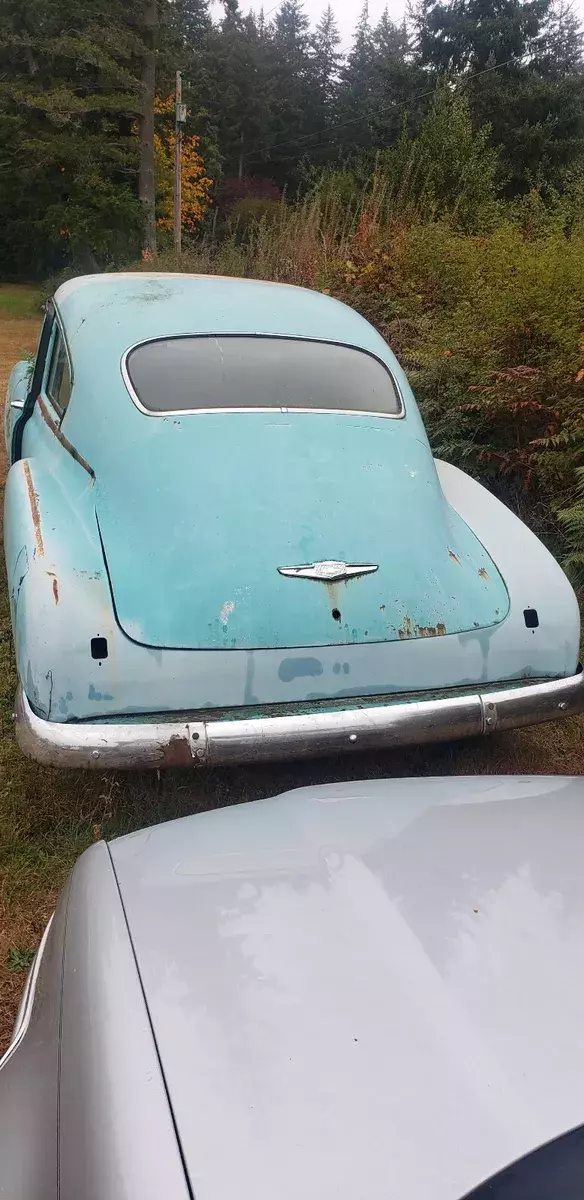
329	571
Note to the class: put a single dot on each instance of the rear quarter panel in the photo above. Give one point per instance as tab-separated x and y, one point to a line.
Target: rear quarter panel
58	588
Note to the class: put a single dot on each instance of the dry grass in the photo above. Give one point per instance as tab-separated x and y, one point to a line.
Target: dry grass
48	817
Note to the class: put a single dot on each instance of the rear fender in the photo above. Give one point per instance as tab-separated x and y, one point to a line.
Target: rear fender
535	581
58	586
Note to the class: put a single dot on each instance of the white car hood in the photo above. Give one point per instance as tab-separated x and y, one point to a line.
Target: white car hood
369	990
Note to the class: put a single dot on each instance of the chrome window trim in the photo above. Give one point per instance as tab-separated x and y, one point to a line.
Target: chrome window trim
274	337
27	1002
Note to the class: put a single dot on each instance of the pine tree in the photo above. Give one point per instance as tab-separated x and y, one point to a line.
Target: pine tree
190	21
560	47
292	96
238	67
357	84
70	93
326	61
459	35
524	58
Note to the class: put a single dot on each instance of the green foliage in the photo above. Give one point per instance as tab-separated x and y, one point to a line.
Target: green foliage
20	958
69	87
449	169
248	213
572	518
20	302
468	95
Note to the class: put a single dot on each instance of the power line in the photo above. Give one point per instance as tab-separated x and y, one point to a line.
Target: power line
369	112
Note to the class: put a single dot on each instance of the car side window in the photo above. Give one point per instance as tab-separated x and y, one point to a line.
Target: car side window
59	376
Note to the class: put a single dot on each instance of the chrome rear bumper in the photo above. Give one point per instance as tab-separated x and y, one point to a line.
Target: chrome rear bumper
313	735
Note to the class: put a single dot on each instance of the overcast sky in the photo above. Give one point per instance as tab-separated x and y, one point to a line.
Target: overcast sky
346	12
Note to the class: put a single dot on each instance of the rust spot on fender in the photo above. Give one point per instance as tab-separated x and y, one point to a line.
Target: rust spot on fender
34	508
426	631
484	574
56	591
407	630
454	557
177	753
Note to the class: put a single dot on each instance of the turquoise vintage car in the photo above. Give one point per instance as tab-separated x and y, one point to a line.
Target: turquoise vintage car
227	540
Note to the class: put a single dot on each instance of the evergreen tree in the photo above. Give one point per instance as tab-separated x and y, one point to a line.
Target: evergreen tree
326	62
238	68
190	21
523	59
357	87
560	47
70	93
458	35
292	95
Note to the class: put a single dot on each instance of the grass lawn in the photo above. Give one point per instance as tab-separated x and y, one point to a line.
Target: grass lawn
48	817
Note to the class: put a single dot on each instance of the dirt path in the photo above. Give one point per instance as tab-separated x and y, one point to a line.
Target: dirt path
48	817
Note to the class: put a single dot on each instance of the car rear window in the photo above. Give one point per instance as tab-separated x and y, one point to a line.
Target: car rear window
229	372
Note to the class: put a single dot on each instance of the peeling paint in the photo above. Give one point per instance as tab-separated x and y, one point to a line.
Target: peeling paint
226	611
34	508
93	695
422	631
56	591
298	668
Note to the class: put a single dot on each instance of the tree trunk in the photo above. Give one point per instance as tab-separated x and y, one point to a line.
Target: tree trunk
147	182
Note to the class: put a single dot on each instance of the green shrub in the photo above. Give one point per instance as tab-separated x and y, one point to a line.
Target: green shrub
247	214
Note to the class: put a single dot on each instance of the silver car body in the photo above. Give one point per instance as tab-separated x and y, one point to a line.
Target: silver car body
360	990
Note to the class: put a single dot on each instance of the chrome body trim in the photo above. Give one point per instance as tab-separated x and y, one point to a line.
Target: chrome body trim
282	337
272	739
26	1004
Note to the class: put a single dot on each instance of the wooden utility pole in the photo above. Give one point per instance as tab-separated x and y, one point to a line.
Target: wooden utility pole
180	117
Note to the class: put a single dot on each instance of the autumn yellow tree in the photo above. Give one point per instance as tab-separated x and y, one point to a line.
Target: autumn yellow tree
196	186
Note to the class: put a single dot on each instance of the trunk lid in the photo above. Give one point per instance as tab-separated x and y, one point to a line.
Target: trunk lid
195	532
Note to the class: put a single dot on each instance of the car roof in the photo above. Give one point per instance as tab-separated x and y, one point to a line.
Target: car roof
105	315
126	308
365	989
